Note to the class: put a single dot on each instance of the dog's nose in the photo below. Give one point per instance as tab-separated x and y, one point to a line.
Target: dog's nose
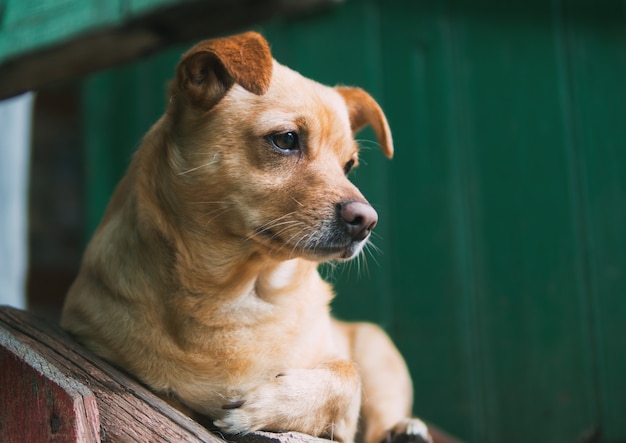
360	219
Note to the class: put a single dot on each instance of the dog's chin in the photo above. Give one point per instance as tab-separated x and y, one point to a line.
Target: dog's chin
335	247
325	253
343	254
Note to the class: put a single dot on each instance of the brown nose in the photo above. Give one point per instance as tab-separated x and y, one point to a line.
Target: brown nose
359	218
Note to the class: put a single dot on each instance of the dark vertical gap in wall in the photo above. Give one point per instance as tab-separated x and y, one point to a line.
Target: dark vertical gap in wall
56	198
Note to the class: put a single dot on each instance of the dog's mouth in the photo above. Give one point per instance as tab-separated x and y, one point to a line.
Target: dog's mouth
319	245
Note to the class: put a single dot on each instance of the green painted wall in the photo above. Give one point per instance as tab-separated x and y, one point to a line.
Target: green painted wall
502	275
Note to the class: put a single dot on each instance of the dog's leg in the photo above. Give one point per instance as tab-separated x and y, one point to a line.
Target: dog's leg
323	402
387	388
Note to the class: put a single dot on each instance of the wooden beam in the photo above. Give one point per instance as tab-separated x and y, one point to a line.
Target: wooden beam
52	389
142	32
39	402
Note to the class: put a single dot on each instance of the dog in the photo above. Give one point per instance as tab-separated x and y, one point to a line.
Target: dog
201	279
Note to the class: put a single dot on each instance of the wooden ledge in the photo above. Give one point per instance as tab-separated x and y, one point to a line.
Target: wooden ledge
48	58
52	389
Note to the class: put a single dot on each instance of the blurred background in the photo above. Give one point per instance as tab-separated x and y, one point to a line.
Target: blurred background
501	274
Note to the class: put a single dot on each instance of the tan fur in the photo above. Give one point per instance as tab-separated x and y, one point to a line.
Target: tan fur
201	279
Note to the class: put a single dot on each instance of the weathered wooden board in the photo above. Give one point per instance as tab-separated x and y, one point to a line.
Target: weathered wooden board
57	41
39	403
52	389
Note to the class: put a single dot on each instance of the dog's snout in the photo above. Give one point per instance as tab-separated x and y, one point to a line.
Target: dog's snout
360	218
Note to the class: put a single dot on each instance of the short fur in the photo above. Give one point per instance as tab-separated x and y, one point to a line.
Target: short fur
201	279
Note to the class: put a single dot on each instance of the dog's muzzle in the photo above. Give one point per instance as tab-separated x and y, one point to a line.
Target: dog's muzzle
341	236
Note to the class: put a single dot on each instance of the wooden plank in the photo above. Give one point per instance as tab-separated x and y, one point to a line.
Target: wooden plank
39	403
61	54
127	410
63	384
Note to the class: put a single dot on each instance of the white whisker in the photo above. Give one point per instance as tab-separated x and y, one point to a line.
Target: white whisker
365	143
372	248
205	165
269	224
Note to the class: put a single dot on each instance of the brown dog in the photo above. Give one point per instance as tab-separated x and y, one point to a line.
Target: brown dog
201	279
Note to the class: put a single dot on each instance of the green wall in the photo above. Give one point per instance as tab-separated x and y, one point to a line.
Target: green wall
502	271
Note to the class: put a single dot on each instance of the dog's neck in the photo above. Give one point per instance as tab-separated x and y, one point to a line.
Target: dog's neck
244	293
224	269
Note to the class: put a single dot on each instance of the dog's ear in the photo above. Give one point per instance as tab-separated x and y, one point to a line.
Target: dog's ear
209	69
363	111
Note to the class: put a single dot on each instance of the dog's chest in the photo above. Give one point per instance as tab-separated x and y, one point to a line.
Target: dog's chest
290	328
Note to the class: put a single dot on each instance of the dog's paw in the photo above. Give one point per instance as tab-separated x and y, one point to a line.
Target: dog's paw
267	406
311	401
235	422
249	415
409	430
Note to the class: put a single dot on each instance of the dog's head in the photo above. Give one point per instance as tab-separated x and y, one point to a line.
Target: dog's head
262	154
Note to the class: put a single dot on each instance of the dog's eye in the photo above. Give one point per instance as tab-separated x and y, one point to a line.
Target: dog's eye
348	166
285	141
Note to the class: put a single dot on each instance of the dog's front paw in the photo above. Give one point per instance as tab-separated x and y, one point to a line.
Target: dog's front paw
409	430
312	401
235	419
272	406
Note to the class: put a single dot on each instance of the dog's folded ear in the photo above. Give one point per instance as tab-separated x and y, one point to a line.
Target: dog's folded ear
364	111
209	69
